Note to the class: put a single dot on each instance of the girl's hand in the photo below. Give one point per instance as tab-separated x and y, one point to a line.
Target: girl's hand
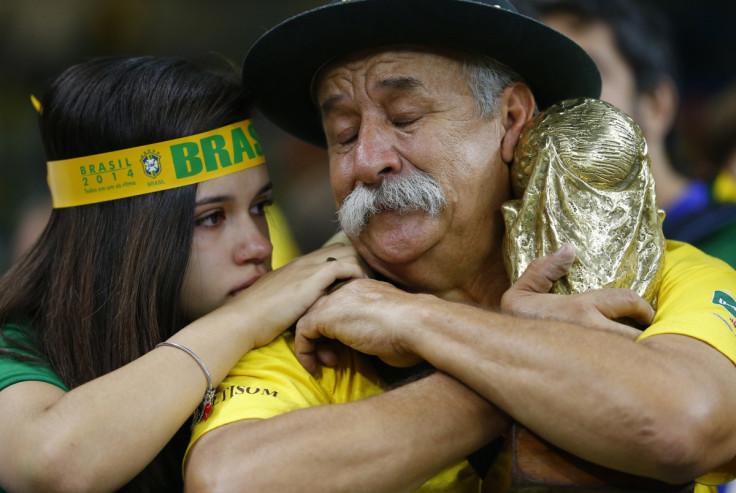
276	300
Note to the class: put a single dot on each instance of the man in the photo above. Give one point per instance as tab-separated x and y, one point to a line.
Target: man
631	46
396	93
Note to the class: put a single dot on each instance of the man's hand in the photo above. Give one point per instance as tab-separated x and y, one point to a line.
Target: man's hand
529	297
364	314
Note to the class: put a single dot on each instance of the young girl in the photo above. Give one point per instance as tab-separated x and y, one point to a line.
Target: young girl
150	281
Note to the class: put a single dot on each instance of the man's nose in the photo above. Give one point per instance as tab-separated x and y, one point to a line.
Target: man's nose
375	154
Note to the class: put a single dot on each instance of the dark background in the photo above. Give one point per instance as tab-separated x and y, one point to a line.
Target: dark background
39	38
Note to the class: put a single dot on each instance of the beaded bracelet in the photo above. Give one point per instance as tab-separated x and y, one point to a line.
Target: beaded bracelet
205	408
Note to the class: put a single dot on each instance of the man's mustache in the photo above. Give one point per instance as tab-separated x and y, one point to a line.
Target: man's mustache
418	191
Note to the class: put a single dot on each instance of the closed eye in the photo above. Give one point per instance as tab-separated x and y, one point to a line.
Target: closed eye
404	123
346	136
349	140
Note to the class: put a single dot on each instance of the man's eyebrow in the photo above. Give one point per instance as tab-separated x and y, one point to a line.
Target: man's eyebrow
401	82
329	103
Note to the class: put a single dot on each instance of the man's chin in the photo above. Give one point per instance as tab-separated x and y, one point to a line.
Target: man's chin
396	239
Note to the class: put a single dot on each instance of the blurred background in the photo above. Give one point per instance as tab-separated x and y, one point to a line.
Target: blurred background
39	38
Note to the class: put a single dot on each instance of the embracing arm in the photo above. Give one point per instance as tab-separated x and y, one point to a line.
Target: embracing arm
391	442
99	435
662	407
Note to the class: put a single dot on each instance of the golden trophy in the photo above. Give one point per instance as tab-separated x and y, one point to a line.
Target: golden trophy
581	175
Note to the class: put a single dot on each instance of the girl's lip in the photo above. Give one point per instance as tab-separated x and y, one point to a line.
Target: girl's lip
245	285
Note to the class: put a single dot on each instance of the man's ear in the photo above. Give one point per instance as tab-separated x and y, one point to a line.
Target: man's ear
517	108
658	109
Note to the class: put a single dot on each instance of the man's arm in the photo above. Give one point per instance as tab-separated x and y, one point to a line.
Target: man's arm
662	407
391	442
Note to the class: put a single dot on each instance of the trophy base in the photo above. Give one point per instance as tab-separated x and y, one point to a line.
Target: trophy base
538	467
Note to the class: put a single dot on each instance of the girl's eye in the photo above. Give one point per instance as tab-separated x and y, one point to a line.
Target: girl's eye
211	219
259	209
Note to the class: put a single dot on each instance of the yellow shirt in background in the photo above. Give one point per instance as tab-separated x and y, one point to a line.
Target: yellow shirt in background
285	247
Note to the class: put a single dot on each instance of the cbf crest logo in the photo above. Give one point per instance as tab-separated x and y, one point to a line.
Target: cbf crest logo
725	300
151	161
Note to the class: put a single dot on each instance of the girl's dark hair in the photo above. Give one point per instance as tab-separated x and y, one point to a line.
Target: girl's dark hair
102	285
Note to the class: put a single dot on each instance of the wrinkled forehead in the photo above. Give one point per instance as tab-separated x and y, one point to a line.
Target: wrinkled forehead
414	60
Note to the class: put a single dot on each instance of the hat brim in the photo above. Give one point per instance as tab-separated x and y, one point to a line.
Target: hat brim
280	66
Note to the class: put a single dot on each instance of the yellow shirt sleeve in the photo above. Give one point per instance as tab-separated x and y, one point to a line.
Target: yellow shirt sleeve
269	381
697	298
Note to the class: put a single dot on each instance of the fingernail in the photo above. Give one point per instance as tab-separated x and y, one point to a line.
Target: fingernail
565	249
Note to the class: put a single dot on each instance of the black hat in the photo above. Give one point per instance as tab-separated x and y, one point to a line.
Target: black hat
280	66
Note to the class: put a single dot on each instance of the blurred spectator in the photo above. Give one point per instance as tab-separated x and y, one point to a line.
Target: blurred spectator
719	156
719	144
630	42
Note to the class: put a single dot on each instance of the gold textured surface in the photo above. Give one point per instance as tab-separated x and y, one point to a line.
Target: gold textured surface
582	175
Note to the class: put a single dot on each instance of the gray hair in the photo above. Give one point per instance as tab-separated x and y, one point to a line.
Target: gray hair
487	79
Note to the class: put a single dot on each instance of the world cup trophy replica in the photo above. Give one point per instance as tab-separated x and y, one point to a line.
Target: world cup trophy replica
581	175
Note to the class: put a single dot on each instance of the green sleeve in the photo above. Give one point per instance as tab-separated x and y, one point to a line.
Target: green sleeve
14	371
